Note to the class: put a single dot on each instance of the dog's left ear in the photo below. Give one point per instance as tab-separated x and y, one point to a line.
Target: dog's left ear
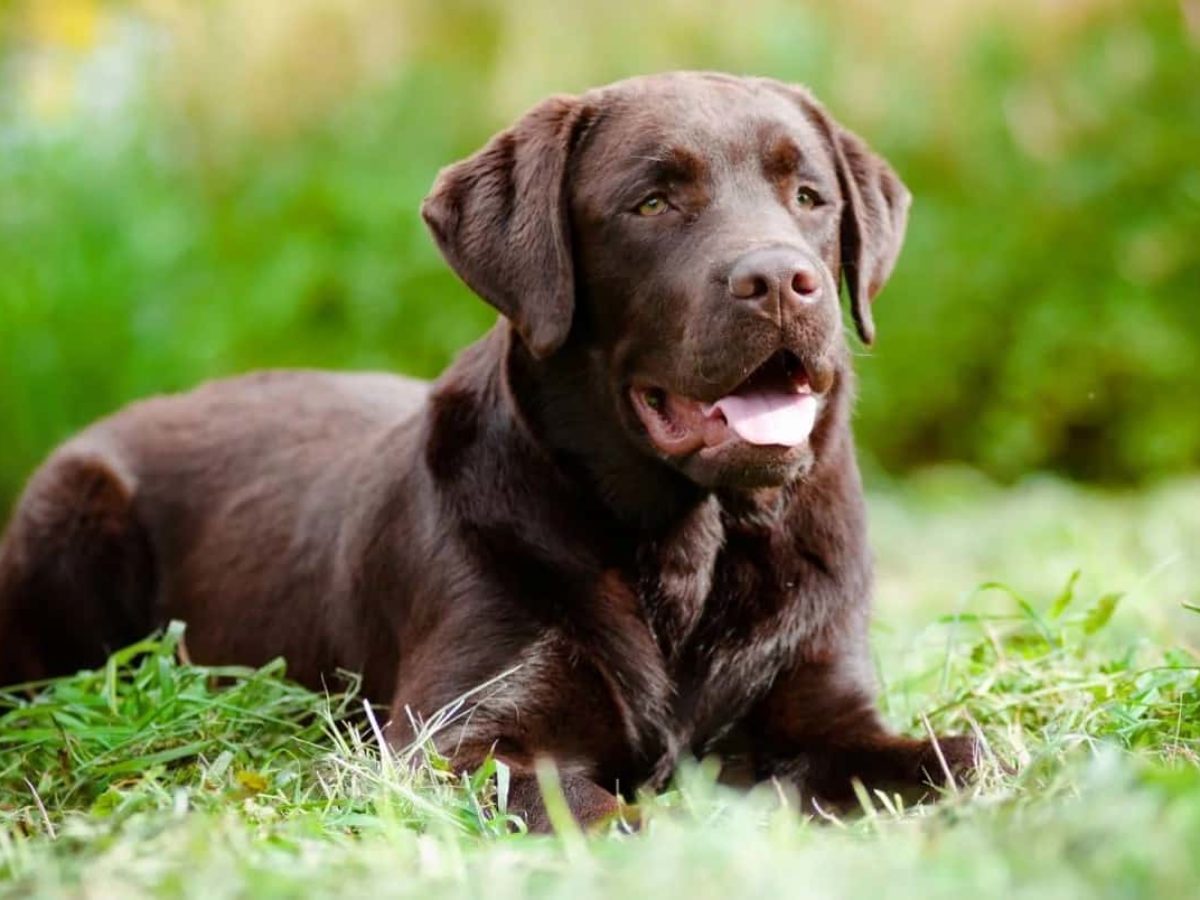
500	218
874	214
874	220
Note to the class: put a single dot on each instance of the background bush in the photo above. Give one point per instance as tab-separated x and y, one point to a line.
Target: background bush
188	190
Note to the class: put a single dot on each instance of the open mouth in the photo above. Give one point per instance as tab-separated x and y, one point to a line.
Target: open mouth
775	406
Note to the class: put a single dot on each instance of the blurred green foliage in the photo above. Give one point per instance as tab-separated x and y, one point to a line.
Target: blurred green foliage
252	201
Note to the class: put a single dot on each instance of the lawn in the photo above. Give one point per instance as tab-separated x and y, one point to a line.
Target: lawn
161	778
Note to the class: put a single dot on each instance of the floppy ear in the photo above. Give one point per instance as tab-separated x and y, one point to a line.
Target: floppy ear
874	219
500	220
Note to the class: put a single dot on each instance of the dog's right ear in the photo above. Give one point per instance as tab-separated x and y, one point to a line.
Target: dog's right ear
500	219
873	223
874	214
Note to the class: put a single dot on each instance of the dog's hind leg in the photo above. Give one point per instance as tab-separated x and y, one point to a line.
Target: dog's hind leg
76	570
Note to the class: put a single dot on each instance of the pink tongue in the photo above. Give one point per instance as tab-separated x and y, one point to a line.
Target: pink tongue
769	417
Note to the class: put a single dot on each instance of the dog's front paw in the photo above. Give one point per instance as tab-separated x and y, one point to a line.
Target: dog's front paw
950	759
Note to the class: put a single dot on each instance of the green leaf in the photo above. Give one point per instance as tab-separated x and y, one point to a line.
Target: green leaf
1063	600
107	803
1097	617
251	781
503	780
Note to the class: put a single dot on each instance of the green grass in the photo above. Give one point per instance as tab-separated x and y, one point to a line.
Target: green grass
158	777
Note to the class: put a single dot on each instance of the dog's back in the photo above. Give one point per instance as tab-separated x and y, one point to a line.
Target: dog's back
248	471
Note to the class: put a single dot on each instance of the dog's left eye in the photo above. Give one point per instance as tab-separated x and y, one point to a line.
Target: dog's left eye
654	205
808	198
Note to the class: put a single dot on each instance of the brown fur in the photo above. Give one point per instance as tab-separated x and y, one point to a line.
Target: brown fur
514	515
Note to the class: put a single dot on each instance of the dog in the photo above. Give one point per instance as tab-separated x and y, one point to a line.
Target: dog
632	509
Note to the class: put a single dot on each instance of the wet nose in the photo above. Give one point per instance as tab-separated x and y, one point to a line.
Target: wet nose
774	278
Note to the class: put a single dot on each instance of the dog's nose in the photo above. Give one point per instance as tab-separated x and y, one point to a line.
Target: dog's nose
775	277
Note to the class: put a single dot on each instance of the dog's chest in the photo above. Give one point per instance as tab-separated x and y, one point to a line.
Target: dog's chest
716	612
674	578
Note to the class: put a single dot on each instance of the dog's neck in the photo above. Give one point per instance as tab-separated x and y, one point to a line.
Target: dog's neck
566	402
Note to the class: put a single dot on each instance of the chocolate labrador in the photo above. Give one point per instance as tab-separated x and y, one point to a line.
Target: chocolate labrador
632	509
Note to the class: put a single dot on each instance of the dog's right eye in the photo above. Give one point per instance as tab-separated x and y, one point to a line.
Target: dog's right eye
654	205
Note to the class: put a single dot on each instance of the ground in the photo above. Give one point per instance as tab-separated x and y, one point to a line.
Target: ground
155	777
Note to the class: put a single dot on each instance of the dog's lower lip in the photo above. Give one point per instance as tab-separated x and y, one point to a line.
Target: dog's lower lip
774	408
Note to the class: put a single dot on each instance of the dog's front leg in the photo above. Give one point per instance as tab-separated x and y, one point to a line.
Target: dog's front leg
818	729
590	805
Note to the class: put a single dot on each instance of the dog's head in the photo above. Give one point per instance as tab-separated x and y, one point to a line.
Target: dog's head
687	233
